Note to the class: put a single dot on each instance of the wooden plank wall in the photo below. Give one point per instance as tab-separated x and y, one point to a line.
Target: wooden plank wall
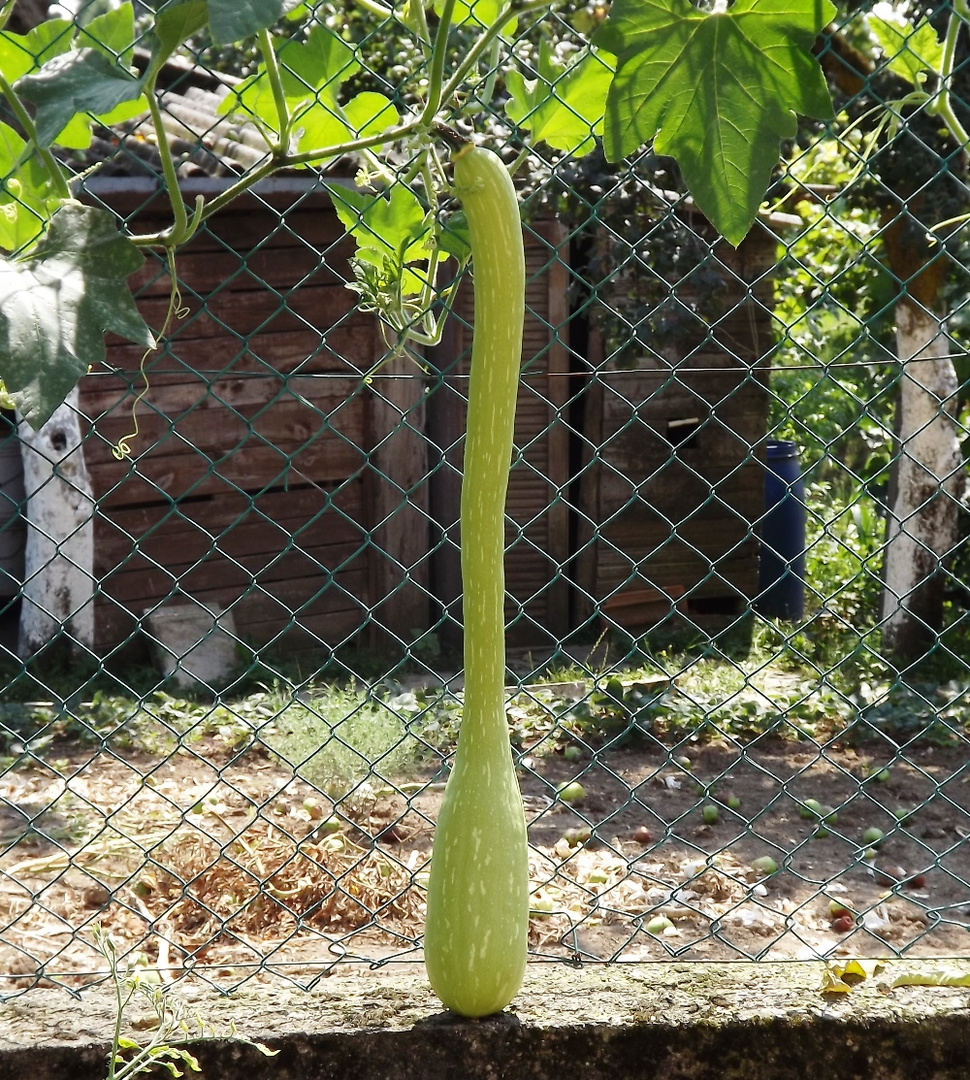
265	475
268	477
671	498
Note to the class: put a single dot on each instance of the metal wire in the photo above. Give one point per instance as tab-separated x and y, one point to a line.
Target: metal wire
734	740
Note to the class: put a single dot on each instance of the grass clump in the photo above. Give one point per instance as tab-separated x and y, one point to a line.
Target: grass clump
338	738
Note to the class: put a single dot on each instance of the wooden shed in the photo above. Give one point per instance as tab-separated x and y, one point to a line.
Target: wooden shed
266	476
673	485
269	478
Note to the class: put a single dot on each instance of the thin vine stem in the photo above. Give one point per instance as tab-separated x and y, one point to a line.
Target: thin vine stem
439	55
272	63
487	92
26	121
180	226
421	19
176	310
375	8
943	105
308	157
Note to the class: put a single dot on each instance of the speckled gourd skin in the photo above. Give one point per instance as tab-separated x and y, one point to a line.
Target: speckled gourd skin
477	928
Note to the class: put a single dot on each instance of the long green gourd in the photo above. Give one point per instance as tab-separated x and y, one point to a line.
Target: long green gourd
476	934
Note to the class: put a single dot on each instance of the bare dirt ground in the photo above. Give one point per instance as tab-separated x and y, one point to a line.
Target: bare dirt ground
223	862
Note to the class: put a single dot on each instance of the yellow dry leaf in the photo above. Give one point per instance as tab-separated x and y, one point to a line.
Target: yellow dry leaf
842	976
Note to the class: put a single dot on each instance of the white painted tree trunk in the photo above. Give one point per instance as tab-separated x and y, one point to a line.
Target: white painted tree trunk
923	521
59	559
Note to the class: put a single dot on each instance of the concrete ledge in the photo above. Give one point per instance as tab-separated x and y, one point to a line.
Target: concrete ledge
673	1021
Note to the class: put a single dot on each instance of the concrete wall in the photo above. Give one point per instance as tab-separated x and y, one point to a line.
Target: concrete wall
671	1021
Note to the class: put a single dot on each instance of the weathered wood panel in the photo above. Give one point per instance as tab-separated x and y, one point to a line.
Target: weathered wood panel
268	477
265	475
673	488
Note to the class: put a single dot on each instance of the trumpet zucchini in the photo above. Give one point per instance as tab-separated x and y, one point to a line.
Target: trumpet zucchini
477	927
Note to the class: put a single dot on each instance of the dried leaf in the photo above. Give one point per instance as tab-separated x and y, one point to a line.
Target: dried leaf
842	977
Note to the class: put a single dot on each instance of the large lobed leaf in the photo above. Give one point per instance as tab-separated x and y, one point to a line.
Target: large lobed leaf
912	52
716	91
79	82
228	20
312	73
57	303
564	106
72	73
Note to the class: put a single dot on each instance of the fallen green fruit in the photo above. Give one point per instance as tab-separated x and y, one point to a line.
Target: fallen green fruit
571	791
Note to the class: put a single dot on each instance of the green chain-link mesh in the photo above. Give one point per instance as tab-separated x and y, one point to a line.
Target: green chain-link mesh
736	737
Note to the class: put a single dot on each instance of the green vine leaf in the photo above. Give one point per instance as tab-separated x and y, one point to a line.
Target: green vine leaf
310	70
564	106
454	237
42	62
75	83
391	233
27	200
236	20
312	73
716	91
368	113
23	53
175	22
480	13
112	33
229	21
56	304
911	52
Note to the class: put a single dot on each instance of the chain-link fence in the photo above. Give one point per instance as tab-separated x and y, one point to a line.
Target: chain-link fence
736	580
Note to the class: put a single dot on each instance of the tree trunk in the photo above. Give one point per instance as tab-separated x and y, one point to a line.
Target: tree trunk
58	591
923	522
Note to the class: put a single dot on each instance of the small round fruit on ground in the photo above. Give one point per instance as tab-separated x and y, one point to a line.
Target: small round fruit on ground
765	865
873	837
642	835
811	809
837	909
710	813
658	924
572	791
843	924
573	753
